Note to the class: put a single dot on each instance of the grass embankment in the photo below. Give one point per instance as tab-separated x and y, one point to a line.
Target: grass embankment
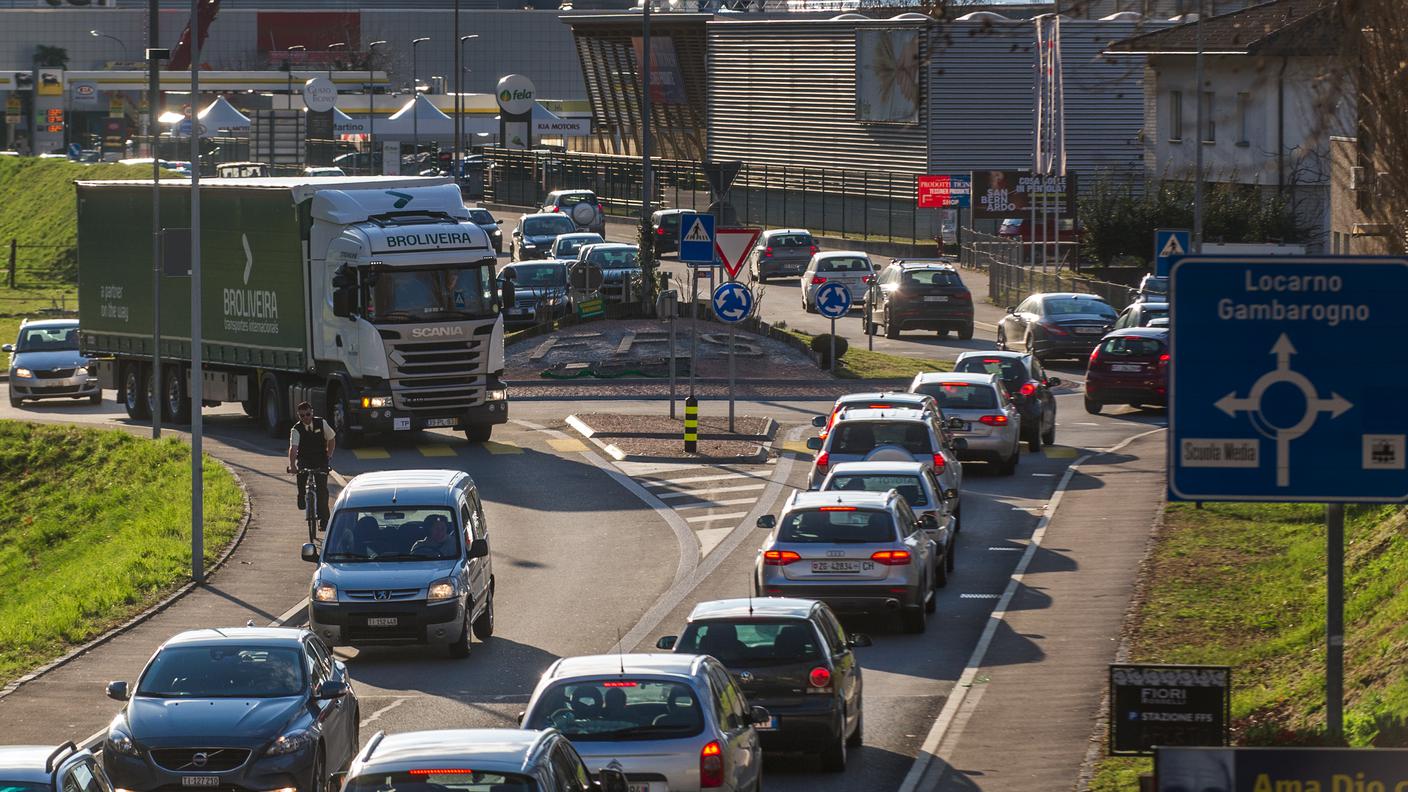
863	364
1243	585
94	526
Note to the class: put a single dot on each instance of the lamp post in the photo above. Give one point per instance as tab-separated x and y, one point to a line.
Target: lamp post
123	44
371	109
415	101
459	102
330	48
288	65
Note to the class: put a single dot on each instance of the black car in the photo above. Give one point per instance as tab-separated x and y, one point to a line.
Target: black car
1027	381
485	220
1056	325
1142	314
240	710
665	225
791	657
535	234
920	295
539	291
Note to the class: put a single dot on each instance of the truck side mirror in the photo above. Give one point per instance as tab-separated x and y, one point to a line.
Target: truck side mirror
342	302
344	285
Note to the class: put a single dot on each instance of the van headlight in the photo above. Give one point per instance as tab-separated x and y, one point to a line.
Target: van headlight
24	373
441	589
325	592
81	371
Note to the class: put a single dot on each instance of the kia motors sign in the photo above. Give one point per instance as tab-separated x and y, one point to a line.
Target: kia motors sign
945	191
516	94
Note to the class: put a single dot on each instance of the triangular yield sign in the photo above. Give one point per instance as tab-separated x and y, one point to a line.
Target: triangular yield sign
733	245
697	232
1172	247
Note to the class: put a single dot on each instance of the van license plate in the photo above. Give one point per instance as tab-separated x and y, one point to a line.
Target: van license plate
382	621
435	422
200	781
638	786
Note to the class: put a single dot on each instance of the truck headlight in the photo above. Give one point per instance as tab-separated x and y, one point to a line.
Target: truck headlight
376	401
325	592
442	589
498	394
24	373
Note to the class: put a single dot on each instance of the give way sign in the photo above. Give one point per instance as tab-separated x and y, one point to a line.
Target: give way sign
733	245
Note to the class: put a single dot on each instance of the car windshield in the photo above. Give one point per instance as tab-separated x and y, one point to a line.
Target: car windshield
22	786
1009	369
48	339
961	395
932	277
860	437
618	709
837	525
481	217
1131	346
843	264
614	258
790	240
752	642
223	671
538	276
670	221
551	225
425	295
442	779
568	246
910	487
392	533
1065	306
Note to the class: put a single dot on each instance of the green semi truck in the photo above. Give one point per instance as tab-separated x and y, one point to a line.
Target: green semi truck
373	298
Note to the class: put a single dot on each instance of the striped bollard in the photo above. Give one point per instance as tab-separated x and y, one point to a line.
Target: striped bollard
691	425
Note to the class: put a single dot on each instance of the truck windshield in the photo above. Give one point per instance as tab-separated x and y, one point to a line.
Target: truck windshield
425	295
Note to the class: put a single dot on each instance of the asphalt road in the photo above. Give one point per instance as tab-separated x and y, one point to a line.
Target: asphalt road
581	560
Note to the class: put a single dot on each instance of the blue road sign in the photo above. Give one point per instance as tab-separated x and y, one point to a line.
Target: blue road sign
732	301
1170	244
697	239
833	300
1282	384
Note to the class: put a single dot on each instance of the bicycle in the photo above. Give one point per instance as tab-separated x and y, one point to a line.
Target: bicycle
310	500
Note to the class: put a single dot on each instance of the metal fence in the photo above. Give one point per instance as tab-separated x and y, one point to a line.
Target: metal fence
34	281
1009	284
864	205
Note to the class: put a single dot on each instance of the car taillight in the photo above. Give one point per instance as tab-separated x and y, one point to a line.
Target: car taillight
817	280
993	420
814	249
939	463
1029	389
780	557
822	460
767	251
660	232
1163	359
601	208
1053	328
555	209
1094	355
964	296
711	765
819	677
891	557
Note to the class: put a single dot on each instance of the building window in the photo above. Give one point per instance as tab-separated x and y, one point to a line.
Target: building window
1244	111
1175	116
1209	131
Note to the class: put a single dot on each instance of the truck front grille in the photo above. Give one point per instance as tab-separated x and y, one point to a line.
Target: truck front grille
437	375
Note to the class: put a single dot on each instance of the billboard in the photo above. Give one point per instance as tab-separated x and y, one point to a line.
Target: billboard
945	190
666	76
1302	769
1168	705
888	75
998	194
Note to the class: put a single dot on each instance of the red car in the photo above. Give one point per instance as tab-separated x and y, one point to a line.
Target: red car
1129	366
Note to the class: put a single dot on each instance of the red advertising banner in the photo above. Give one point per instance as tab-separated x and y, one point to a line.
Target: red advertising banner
945	191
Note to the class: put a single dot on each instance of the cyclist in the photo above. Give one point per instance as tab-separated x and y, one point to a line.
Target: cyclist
310	445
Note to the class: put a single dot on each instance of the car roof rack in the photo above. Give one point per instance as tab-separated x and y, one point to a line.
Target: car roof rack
372	744
52	761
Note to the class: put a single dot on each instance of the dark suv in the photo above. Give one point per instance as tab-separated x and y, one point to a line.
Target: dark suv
920	295
665	224
1029	385
791	657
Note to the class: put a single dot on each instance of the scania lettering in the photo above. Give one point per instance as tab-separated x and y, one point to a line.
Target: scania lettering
373	298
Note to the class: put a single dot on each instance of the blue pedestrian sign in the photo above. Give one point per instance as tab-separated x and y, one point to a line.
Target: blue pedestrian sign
1281	386
833	300
1170	244
732	301
697	239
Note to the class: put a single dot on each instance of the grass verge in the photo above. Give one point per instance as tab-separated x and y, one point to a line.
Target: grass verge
864	364
1244	585
93	528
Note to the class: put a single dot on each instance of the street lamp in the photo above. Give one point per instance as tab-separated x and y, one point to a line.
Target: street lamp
330	48
123	44
288	64
415	102
371	109
459	102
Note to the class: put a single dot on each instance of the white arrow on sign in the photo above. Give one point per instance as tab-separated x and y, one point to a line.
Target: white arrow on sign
733	245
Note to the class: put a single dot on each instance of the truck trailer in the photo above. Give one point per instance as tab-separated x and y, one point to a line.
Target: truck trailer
374	299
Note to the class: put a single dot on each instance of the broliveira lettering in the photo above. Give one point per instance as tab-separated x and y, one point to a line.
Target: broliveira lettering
429	239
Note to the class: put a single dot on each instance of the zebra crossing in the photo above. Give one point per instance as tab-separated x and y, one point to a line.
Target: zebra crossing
711	499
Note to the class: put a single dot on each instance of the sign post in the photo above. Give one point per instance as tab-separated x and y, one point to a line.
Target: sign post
1170	244
697	239
733	302
732	246
1291	416
833	301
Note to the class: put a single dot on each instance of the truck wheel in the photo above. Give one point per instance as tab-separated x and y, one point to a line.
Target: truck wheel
250	407
138	407
340	418
272	408
479	433
175	401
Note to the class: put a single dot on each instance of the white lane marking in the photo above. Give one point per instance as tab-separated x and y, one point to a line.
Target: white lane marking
964	687
1010	549
1086	423
1044	475
709	504
693	479
979	596
710	491
715	517
377	715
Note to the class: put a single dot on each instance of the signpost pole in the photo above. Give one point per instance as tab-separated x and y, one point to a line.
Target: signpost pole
730	378
1334	622
153	139
831	362
196	394
672	363
693	329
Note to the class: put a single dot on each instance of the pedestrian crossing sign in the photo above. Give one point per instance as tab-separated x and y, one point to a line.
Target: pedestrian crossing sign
697	232
697	239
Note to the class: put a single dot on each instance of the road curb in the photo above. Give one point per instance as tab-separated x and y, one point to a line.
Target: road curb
762	454
153	610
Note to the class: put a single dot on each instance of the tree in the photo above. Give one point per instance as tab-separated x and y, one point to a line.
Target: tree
1376	62
46	57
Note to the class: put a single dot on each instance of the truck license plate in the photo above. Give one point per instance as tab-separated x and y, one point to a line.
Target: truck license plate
401	424
382	621
200	781
434	422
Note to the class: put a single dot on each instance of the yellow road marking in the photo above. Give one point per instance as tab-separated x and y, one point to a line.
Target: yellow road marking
371	453
502	448
567	444
796	446
436	450
1060	452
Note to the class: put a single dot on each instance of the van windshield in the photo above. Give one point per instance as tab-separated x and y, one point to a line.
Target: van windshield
392	533
436	294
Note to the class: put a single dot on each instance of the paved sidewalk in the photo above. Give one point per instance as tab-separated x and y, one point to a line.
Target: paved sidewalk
1027	722
261	579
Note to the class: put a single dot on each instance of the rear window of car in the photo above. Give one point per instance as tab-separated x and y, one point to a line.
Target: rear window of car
538	275
575	198
614	258
910	487
1059	306
619	709
791	240
1155	285
755	642
932	277
1131	346
843	264
1007	368
1150	315
861	437
837	525
670	221
442	779
961	396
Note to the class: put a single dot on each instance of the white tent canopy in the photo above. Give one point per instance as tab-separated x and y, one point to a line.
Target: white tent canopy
343	124
419	114
221	115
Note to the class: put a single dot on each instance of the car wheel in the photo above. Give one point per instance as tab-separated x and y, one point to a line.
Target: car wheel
965	333
1034	441
1029	344
460	648
1001	338
1049	436
14	402
940	579
892	330
1092	406
319	780
806	306
484	625
915	619
96	398
958	517
858	734
833	759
